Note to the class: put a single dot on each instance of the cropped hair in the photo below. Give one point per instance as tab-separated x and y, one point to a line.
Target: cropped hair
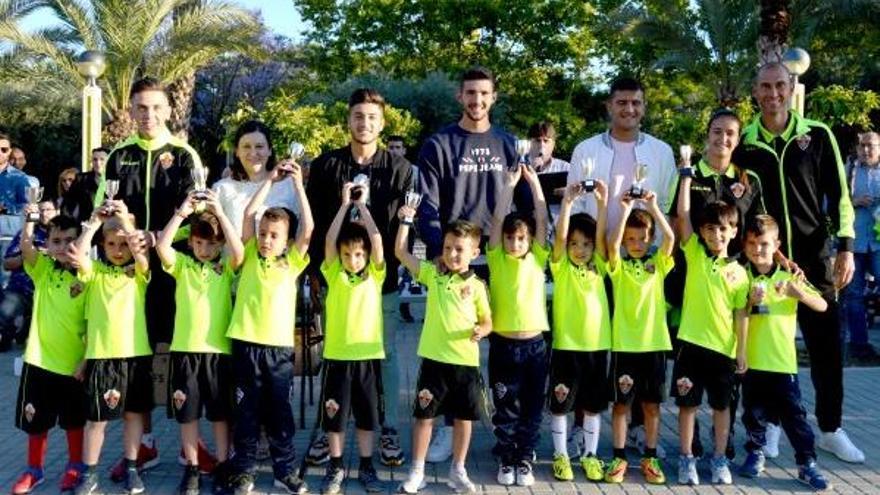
718	213
583	223
762	224
625	84
64	222
640	219
352	234
463	228
366	95
148	83
206	226
478	73
281	214
515	221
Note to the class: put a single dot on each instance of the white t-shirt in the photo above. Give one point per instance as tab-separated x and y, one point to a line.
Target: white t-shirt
555	166
234	196
622	175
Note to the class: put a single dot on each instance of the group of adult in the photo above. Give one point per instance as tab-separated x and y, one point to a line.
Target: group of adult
780	163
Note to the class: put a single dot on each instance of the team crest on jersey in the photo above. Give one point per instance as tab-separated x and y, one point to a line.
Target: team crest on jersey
500	390
625	384
239	395
29	412
166	159
649	267
425	398
218	268
803	142
737	189
129	271
178	397
561	392
465	292
111	398
331	407
76	289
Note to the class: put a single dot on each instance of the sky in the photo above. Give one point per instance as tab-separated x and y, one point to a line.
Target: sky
279	15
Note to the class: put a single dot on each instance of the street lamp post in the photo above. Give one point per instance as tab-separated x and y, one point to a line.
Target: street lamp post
90	65
797	60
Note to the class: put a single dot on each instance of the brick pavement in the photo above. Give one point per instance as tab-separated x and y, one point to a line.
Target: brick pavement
861	420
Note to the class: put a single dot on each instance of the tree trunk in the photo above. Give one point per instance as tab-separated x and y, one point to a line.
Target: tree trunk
773	34
181	92
121	127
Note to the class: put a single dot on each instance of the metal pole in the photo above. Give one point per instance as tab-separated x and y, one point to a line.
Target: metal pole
91	122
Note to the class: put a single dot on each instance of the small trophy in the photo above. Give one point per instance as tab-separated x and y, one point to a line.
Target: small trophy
638	190
359	192
34	195
685	152
760	294
523	148
111	189
412	199
200	182
296	150
588	184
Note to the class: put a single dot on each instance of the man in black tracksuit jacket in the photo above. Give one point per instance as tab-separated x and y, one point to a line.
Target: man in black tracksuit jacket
805	190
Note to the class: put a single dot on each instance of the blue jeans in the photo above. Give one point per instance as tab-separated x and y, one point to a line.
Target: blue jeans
854	296
14	305
776	398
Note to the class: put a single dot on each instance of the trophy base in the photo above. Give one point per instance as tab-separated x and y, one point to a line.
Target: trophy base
760	309
636	192
588	185
33	217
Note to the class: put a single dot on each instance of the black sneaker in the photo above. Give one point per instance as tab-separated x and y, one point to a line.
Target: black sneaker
332	481
241	483
132	481
190	483
319	452
370	481
88	483
390	453
220	478
292	484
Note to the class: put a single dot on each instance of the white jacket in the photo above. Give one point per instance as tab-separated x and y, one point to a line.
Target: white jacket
657	155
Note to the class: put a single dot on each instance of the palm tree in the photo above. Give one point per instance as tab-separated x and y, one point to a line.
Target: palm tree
774	29
167	39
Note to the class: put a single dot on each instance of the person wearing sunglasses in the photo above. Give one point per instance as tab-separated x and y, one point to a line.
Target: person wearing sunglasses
13	196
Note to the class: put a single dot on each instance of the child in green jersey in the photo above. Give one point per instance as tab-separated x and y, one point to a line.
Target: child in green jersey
770	386
581	330
354	267
50	390
457	317
261	329
712	332
517	257
200	367
639	336
119	360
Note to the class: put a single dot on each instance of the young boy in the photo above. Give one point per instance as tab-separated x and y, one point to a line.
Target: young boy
200	363
457	316
50	391
119	362
581	331
711	349
770	386
640	339
261	329
354	267
517	257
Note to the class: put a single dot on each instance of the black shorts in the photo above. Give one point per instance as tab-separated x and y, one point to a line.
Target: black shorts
199	381
118	385
452	389
707	370
578	380
351	387
647	370
46	399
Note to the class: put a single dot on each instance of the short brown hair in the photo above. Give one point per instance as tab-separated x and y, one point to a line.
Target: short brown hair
281	214
206	226
517	220
718	213
762	224
366	95
478	73
640	219
147	84
463	228
542	130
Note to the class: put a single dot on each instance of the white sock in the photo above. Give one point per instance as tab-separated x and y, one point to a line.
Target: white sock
418	468
148	440
457	467
558	429
592	425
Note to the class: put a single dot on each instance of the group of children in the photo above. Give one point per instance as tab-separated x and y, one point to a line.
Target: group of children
88	359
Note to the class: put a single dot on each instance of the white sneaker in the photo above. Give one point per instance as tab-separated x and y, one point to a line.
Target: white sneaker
687	471
506	475
771	436
414	482
720	471
459	482
441	445
635	439
524	474
576	442
839	444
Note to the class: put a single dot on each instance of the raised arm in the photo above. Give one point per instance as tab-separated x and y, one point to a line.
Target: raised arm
560	241
540	202
306	221
601	195
166	238
233	241
249	222
401	247
28	251
668	243
616	239
330	253
502	205
79	253
136	240
377	255
684	208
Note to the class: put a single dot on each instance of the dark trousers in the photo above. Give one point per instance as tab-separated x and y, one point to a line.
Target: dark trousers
263	377
776	398
821	333
518	378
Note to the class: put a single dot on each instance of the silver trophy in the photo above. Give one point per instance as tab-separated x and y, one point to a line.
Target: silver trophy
111	189
296	150
360	191
200	182
413	200
760	294
523	148
588	165
34	195
638	189
684	152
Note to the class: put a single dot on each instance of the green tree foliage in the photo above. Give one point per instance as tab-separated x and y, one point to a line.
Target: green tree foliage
839	106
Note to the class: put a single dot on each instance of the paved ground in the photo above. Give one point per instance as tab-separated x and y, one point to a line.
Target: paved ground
861	420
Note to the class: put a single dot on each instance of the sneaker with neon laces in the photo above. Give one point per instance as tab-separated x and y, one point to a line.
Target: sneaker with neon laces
839	444
390	453
319	452
616	471
71	477
414	482
771	441
207	460
459	481
506	475
810	475
720	470
148	458
652	471
593	467
687	471
132	482
753	466
440	448
29	479
562	467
